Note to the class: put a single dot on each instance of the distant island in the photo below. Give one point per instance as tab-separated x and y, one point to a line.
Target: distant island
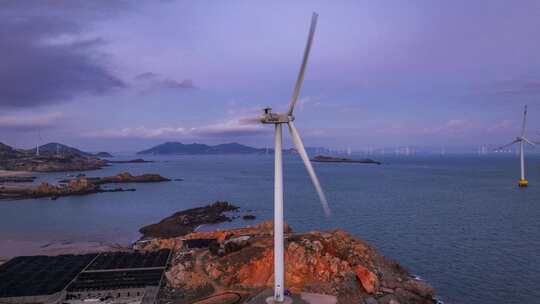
53	148
52	157
178	148
330	159
56	157
175	148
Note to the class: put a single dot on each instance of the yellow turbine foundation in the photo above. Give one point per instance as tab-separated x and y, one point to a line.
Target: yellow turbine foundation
523	183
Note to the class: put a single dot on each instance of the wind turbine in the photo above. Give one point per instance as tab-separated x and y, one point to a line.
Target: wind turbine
278	119
522	140
37	145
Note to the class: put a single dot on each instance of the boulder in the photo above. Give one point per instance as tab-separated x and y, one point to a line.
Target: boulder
367	278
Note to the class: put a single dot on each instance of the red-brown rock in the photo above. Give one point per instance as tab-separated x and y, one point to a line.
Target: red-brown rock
324	262
367	278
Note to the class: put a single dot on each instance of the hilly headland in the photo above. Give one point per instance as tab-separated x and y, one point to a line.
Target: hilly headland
215	264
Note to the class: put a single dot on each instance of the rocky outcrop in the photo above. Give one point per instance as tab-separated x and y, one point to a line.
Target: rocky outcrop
184	222
332	262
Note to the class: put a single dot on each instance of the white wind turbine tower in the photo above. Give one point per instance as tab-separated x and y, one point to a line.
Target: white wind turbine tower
278	119
521	140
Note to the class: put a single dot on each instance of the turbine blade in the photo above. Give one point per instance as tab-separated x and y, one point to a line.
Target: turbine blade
528	141
507	145
524	121
302	151
300	78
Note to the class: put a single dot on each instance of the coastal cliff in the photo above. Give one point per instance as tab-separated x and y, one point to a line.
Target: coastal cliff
207	264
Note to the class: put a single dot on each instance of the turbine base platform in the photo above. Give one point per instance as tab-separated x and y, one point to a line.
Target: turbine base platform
523	183
286	300
266	296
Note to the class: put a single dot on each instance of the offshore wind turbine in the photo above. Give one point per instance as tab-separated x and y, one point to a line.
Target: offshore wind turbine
279	119
521	140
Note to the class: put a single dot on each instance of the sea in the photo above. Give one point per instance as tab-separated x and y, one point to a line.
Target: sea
459	222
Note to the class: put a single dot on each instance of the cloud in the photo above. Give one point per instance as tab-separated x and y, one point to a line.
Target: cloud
515	87
30	122
232	128
147	76
501	126
45	60
137	132
150	81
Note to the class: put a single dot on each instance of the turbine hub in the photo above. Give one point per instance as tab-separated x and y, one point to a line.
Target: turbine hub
275	118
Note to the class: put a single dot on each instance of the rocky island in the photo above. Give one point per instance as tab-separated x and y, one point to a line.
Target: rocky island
238	263
330	159
77	186
124	177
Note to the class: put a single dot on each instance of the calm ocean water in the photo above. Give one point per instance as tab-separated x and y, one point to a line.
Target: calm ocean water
460	222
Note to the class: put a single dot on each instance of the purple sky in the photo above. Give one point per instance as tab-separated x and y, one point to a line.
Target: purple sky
122	76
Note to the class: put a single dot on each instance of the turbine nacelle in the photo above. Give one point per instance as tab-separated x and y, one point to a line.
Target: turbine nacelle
275	118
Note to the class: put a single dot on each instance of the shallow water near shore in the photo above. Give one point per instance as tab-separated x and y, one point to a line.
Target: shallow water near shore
459	222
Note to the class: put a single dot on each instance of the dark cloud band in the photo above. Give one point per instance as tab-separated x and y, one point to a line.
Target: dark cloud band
36	70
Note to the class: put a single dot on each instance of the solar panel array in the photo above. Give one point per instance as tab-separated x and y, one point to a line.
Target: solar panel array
124	260
40	275
46	275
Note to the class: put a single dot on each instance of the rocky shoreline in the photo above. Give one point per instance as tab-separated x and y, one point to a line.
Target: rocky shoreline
240	261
